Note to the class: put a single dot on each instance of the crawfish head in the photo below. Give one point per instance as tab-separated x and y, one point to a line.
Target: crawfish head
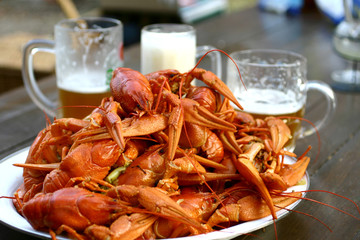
75	207
91	159
205	96
170	76
131	89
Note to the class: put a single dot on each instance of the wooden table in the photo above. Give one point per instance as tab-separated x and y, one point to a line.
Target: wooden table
338	164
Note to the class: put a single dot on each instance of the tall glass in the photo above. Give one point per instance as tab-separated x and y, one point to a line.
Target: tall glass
173	46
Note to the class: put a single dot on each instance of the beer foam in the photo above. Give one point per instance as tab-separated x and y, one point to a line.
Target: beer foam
268	101
90	82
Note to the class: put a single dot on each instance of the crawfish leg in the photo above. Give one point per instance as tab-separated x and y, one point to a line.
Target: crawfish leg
229	142
156	201
214	82
144	125
250	208
272	179
194	113
247	169
176	121
280	133
291	174
113	124
70	231
124	228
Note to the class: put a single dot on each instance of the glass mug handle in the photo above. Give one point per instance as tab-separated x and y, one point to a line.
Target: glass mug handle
35	93
215	58
331	105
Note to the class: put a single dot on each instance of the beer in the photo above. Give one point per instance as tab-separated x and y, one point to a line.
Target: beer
77	98
262	103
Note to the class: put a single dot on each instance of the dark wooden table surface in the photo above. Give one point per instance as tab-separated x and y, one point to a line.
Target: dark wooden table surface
338	164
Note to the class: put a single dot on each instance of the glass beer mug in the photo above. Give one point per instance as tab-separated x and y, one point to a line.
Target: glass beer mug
85	49
277	86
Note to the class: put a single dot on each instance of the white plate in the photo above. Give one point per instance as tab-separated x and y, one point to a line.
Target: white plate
11	178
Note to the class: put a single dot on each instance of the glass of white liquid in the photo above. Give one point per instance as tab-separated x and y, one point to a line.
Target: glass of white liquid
85	50
173	46
276	85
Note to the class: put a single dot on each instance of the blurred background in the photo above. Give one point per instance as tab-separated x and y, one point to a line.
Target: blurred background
23	20
39	16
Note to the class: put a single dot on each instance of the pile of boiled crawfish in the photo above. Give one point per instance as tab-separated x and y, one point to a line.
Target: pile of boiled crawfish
160	158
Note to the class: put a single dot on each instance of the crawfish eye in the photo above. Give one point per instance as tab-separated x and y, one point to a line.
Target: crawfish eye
162	150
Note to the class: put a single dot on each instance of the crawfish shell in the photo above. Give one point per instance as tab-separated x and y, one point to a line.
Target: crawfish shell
131	89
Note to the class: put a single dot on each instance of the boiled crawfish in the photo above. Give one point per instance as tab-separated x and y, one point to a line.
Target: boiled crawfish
151	156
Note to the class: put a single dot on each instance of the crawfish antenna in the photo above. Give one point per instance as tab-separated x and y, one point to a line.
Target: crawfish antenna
47	119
